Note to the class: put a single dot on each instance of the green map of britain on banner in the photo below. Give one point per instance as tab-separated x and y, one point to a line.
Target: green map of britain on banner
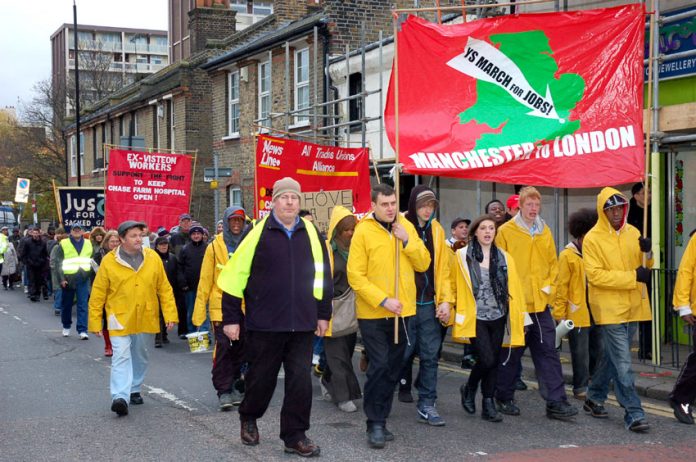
519	77
545	99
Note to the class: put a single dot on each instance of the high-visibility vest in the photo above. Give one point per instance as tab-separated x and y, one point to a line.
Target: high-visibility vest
234	276
72	261
4	242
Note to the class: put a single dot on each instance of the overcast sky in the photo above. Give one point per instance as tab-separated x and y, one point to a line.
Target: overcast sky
26	27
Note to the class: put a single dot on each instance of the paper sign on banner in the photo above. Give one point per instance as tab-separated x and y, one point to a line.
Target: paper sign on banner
321	205
328	169
151	187
548	99
22	191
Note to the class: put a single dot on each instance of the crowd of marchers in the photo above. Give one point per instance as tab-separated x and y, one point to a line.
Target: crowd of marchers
276	292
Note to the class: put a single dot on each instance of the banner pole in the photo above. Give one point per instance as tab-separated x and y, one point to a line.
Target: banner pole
193	178
397	252
56	198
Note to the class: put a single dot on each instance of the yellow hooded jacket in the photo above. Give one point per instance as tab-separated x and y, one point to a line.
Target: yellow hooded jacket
464	327
570	288
611	258
209	293
337	214
132	299
537	255
372	268
442	268
684	299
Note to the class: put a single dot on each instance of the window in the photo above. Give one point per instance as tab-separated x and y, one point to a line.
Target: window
233	103
262	7
82	153
134	116
95	155
121	131
234	195
355	109
264	91
240	6
172	126
73	157
302	85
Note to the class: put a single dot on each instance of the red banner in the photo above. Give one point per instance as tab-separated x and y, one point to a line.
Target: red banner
552	99
151	187
315	167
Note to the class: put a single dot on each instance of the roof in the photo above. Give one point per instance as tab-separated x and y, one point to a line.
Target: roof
88	27
269	39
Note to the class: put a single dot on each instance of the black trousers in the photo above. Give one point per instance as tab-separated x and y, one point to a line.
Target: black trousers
266	351
384	367
37	283
227	359
684	391
487	345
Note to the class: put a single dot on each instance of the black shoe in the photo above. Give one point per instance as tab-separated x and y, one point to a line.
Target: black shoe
468	361
183	337
489	412
388	436
520	385
158	340
639	426
508	407
119	406
560	410
595	409
375	437
468	399
249	433
45	297
305	448
34	299
135	398
682	412
405	396
165	339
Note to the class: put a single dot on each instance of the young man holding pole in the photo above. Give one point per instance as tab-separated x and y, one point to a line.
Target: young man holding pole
385	253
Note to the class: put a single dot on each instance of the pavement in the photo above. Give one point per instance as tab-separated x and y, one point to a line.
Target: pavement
54	406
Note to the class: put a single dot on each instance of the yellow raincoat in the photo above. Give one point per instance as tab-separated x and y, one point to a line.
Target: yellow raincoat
209	293
684	299
537	256
611	258
570	292
132	299
371	268
464	326
337	214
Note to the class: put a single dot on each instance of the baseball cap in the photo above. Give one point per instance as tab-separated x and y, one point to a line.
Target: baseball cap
196	229
513	201
458	220
184	216
615	201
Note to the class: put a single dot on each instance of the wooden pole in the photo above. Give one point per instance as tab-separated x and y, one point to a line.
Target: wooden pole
397	244
56	197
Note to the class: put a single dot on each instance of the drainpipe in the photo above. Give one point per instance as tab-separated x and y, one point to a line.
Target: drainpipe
326	37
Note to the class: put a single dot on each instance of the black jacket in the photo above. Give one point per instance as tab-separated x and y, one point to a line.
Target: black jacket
170	267
35	253
279	293
189	265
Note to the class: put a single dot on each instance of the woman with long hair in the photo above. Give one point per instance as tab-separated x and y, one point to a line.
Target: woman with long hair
489	311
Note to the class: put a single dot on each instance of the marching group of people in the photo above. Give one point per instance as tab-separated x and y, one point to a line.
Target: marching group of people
268	289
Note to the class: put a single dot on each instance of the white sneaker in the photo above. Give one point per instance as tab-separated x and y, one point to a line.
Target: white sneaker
315	359
84	336
66	332
347	406
26	289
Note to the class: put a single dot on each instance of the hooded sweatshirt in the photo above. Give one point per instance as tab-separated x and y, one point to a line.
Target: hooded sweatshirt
231	241
611	257
425	281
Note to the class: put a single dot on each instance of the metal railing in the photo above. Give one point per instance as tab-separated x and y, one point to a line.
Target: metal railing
675	340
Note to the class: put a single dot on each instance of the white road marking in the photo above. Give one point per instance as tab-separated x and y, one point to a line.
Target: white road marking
170	397
567	446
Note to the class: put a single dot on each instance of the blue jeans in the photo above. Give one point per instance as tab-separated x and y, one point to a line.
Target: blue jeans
318	349
129	364
616	365
424	335
81	290
190	297
58	298
585	352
